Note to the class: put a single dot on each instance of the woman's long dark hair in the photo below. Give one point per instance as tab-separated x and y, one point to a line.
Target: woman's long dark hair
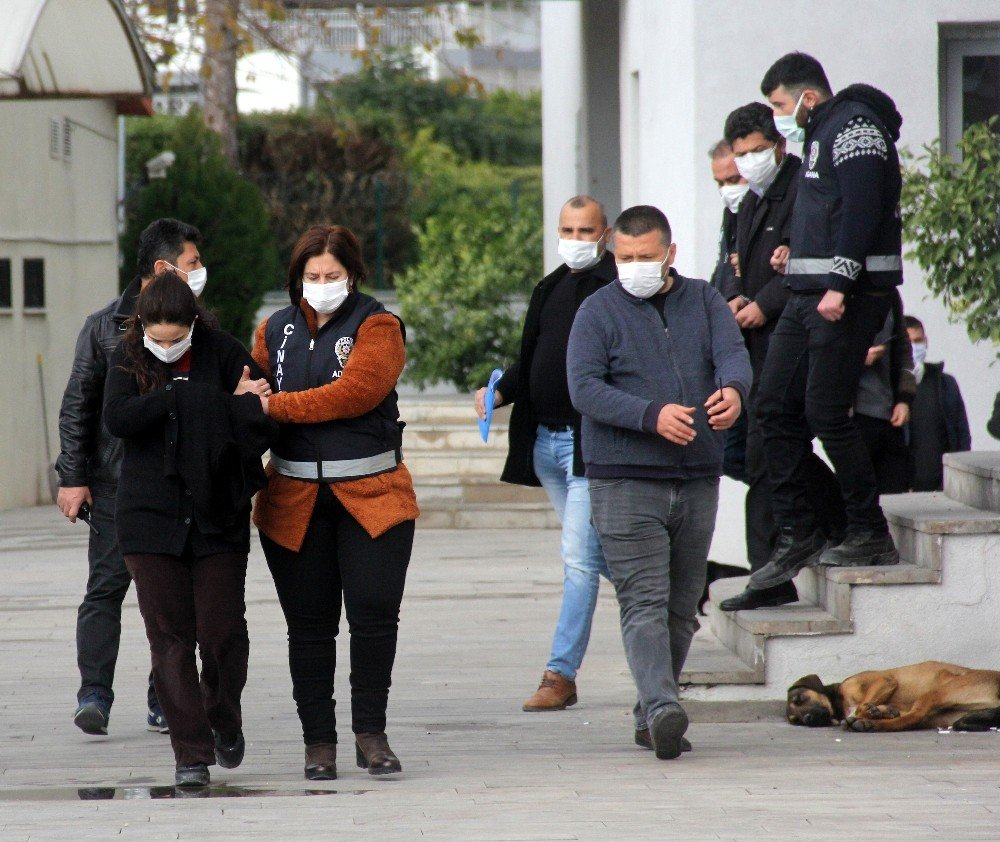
167	299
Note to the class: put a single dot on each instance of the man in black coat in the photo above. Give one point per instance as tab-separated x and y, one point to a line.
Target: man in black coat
845	260
762	230
545	434
89	465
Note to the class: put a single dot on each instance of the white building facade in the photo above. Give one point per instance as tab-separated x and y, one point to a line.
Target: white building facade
636	91
68	68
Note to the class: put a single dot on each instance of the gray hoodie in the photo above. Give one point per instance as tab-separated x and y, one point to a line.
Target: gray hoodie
624	366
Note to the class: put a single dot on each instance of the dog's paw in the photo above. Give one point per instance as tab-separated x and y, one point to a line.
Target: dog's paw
879	711
864	725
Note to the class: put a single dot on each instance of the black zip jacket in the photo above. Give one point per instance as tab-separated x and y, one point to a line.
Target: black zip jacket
192	452
515	383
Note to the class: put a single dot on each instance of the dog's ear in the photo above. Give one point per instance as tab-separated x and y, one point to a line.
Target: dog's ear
807	682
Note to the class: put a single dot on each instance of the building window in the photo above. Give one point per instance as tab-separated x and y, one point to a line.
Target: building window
970	84
6	300
34	283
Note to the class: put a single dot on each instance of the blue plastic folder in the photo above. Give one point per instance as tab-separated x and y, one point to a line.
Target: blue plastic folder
488	399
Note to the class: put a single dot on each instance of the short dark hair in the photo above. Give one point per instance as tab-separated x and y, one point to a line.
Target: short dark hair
337	240
582	200
795	72
163	239
720	149
641	219
750	118
914	322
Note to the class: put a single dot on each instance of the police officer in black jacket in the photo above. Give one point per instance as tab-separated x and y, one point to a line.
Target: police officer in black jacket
762	228
846	242
89	465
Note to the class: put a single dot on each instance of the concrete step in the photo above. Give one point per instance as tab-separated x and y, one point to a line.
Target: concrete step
488	516
459	491
457	463
450	436
973	479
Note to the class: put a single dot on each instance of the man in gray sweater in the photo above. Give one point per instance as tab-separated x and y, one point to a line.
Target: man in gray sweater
658	370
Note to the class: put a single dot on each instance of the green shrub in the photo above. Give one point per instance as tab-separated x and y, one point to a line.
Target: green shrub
202	189
950	215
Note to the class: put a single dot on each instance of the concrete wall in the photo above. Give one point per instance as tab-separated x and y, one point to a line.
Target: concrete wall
685	64
62	211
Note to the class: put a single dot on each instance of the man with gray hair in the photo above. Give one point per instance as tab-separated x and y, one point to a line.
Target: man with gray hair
658	370
545	435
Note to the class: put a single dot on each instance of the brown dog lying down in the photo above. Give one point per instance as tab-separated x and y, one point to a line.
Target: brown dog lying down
927	695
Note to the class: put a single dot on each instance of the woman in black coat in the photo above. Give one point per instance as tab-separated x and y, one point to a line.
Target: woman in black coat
181	396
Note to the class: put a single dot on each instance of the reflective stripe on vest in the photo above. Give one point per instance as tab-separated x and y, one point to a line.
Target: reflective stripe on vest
823	265
340	469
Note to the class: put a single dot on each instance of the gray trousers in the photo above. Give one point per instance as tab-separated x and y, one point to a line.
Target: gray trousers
655	535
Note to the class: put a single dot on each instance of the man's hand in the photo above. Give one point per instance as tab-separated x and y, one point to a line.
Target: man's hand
734	261
831	305
875	353
481	402
724	407
779	260
69	500
248	386
736	304
674	423
751	316
900	415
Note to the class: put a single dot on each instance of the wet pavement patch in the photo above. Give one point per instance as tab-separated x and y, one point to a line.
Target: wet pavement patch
147	793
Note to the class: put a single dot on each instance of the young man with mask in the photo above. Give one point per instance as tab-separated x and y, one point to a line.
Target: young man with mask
763	227
658	370
846	257
938	421
545	435
89	465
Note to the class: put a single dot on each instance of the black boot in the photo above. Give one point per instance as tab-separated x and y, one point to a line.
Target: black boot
768	598
862	549
791	553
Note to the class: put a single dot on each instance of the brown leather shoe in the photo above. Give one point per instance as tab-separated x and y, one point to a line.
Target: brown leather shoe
321	762
373	753
556	692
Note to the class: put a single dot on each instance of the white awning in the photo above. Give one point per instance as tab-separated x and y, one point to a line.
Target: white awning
70	48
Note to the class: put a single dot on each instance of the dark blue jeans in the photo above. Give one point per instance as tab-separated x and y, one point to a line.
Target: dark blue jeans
807	388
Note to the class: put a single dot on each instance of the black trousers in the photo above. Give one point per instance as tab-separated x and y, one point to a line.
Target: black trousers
340	562
822	495
99	618
887	448
808	387
187	601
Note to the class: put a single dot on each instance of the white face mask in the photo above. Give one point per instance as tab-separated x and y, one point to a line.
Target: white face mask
759	168
196	278
919	356
788	125
732	195
643	279
579	254
173	353
325	298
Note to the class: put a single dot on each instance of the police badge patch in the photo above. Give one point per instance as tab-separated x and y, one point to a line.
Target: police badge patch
343	349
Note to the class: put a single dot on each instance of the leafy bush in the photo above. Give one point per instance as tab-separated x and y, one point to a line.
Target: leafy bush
479	256
202	189
396	99
950	215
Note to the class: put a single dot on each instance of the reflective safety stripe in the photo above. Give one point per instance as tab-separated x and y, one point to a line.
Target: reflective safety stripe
339	469
823	265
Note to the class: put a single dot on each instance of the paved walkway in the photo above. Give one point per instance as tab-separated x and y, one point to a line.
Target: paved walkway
475	631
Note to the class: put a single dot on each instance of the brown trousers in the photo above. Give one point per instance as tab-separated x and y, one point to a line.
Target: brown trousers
187	601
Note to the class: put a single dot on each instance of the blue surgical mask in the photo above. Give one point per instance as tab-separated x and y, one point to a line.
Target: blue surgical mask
788	125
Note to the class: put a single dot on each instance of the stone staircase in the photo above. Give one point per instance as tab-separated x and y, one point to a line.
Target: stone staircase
941	602
456	476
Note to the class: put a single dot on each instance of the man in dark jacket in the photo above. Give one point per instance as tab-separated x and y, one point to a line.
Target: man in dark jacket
545	435
659	371
89	465
758	298
938	421
846	257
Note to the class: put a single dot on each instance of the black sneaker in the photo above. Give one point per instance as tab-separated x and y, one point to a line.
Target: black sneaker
862	549
229	751
92	714
768	598
789	556
193	775
156	721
